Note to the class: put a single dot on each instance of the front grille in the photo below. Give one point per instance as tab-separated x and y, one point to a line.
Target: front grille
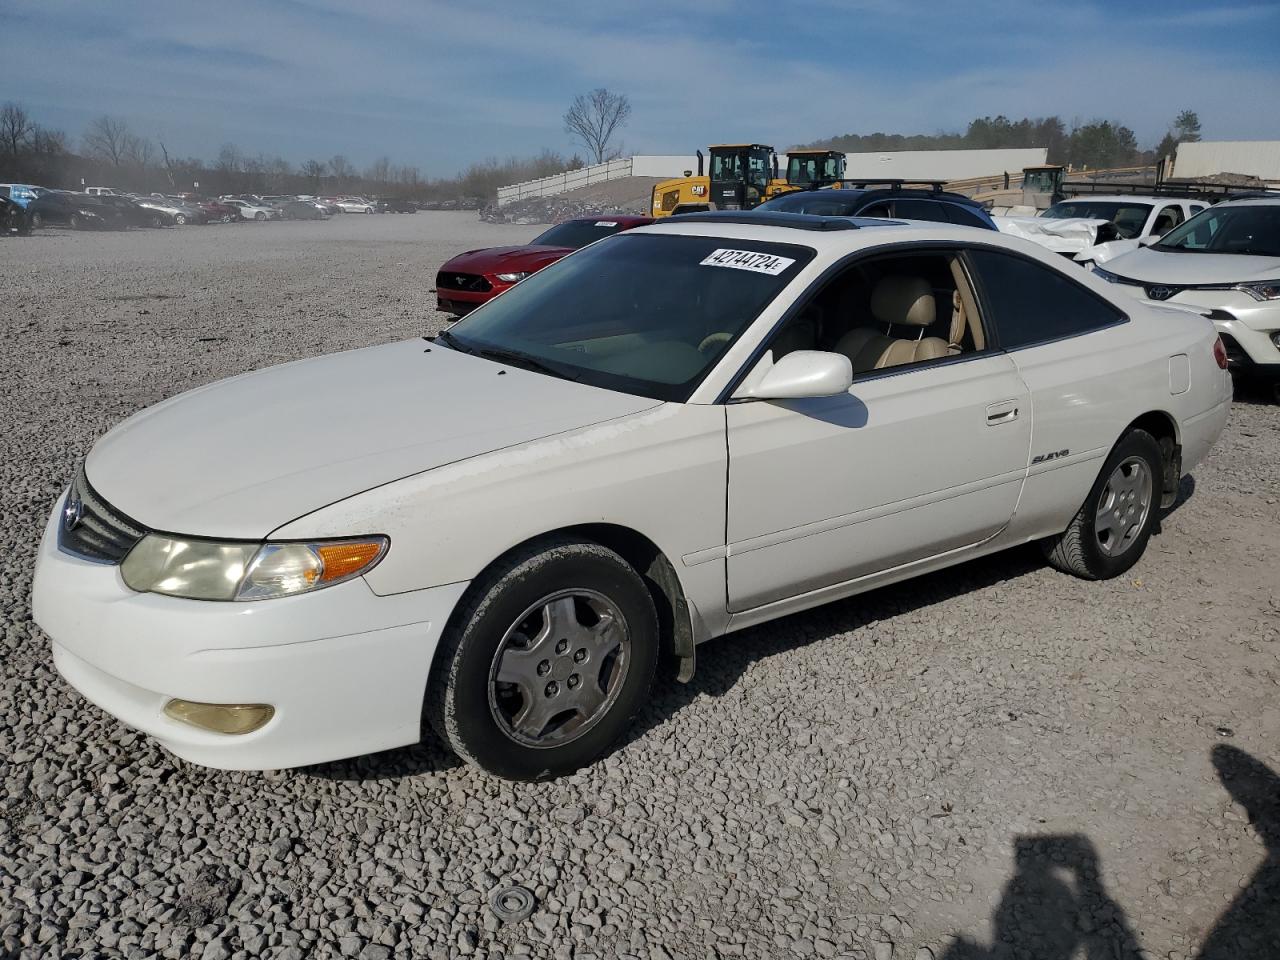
92	529
471	282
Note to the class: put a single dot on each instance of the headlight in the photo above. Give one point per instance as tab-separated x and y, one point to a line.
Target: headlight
1262	290
209	570
1105	274
86	213
512	277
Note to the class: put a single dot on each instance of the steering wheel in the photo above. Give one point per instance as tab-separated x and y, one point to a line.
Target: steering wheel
714	341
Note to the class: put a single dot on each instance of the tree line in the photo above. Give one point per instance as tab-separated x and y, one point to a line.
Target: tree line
1097	143
110	153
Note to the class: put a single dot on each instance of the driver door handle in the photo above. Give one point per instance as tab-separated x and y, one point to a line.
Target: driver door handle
1002	412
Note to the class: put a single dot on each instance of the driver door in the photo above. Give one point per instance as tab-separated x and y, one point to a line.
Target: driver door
912	462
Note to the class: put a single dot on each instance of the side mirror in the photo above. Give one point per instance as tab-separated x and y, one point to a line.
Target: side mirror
802	373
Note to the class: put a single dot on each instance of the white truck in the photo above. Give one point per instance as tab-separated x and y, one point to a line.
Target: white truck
1095	228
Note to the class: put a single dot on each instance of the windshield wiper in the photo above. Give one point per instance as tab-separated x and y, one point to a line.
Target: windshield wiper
517	359
452	342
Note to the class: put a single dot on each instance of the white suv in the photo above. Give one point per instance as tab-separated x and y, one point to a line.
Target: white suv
1225	261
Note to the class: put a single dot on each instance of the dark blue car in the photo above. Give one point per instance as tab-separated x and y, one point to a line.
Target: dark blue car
891	199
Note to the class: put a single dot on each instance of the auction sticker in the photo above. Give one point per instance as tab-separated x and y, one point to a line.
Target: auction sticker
748	260
606	223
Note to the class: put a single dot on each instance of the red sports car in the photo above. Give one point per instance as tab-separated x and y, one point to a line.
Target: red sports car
477	276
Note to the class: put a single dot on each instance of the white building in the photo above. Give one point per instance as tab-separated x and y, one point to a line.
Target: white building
1206	158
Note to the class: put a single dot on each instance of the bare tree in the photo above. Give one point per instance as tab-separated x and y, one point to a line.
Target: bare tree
109	139
341	170
17	129
230	160
139	152
593	118
380	170
313	170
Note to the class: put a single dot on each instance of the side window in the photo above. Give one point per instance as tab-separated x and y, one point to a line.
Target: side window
1028	303
963	216
919	210
889	311
875	210
1167	219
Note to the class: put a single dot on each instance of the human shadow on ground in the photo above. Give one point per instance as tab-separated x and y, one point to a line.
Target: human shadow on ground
1056	908
1249	929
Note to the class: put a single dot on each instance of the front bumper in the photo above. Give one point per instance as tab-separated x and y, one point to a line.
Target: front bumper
344	668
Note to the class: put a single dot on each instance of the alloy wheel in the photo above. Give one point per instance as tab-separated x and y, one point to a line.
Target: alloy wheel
559	668
1123	506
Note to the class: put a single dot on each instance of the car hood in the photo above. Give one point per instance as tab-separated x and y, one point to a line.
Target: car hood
505	259
239	458
1148	265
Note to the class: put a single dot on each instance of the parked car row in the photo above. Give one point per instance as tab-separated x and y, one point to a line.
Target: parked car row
29	206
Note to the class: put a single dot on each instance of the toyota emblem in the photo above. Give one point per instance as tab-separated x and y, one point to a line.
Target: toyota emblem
72	513
1160	293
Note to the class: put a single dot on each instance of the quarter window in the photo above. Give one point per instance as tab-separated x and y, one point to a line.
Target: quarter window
1028	303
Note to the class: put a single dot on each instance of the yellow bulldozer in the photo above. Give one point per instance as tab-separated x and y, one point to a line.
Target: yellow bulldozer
743	176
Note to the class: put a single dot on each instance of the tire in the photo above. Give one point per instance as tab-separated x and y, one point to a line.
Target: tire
73	222
594	685
259	215
1111	530
37	220
180	219
155	222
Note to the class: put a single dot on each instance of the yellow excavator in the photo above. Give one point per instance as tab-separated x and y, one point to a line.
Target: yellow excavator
743	176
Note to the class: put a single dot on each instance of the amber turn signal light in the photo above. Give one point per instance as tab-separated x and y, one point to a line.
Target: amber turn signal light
343	559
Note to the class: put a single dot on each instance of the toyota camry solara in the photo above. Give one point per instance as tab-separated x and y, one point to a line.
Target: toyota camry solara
670	435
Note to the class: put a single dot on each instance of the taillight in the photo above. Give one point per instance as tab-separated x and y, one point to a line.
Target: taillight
1220	353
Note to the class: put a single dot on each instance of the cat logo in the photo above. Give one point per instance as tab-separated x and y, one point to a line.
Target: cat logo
1045	457
699	190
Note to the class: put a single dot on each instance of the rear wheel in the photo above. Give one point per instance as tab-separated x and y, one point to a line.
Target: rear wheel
259	215
74	222
155	221
546	661
1110	532
37	220
180	218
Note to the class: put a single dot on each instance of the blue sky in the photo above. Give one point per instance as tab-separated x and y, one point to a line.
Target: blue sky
439	84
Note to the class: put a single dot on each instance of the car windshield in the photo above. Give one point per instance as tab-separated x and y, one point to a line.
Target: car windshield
1129	218
1252	230
577	233
820	203
646	314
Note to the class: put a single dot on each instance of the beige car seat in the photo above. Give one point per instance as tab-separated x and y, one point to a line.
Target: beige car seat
896	301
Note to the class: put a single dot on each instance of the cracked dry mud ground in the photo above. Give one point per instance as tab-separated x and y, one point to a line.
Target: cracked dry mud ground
996	760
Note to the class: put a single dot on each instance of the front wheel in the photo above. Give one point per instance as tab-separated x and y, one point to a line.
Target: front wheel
259	216
1110	532
37	220
548	658
74	222
180	219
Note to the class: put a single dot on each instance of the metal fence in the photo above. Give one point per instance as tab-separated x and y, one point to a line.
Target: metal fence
569	180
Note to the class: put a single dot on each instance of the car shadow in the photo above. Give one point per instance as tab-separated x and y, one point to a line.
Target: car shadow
723	661
427	756
1186	490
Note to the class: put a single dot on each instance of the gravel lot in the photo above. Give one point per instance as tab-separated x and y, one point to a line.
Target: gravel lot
994	761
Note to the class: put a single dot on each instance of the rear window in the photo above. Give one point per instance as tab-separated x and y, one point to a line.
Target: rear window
819	203
577	233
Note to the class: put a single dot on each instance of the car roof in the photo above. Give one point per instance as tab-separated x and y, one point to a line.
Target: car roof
797	228
1122	198
1255	201
631	219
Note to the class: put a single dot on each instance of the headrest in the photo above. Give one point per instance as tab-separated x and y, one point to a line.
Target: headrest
907	301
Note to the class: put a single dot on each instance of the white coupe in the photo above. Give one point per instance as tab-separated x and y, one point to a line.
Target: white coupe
670	435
